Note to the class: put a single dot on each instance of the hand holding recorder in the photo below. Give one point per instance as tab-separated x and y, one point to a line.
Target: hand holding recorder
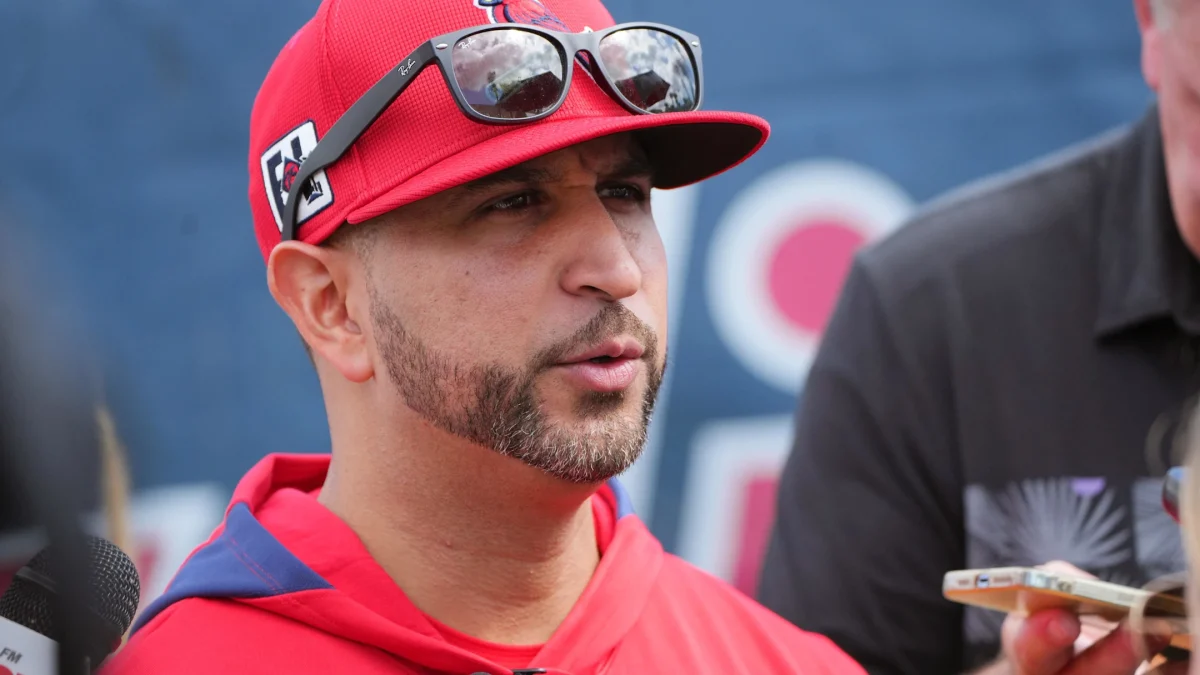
1064	621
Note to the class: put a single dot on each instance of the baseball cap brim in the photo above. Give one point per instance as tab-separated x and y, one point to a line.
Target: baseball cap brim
683	148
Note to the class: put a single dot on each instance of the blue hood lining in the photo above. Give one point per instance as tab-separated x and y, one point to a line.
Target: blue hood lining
247	561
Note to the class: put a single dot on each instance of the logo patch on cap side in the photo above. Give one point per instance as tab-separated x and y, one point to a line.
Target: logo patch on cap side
280	164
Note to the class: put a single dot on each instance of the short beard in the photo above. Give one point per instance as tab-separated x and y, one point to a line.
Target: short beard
498	408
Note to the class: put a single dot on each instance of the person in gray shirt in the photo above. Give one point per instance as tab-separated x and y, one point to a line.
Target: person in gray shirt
1001	384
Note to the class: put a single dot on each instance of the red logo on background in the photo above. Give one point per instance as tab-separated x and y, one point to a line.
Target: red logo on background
758	514
780	255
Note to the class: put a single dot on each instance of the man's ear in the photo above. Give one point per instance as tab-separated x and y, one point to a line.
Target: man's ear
1151	30
313	285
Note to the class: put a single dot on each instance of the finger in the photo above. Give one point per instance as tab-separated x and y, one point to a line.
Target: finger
1093	629
1097	622
1043	643
1116	654
1064	567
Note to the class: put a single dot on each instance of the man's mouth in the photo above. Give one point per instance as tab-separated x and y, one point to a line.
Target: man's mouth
615	349
610	366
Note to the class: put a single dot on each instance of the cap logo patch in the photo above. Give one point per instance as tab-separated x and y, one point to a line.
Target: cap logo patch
528	12
280	166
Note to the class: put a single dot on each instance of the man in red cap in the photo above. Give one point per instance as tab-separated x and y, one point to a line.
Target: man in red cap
452	198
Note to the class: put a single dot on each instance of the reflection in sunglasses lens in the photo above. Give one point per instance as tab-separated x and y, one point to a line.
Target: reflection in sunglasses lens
651	69
508	73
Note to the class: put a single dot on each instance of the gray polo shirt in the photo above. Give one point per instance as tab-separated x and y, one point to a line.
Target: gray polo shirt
1002	383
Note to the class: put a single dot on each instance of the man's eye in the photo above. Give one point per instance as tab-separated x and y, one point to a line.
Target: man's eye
624	191
516	202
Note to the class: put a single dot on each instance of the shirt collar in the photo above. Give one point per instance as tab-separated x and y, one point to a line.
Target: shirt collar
1146	272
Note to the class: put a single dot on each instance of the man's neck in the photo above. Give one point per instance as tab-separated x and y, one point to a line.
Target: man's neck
479	542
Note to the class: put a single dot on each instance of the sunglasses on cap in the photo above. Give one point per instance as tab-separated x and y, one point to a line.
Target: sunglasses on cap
518	74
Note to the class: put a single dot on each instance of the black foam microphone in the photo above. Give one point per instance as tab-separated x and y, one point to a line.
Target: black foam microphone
47	439
113	590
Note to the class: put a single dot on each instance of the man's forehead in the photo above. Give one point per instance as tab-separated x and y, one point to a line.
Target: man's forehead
616	156
601	156
607	154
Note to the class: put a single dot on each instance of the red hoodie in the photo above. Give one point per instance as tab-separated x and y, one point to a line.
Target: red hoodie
284	586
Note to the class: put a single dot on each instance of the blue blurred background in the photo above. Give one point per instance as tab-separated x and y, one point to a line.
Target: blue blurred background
124	143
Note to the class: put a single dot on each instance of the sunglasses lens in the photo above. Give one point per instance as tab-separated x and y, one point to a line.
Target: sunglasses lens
508	73
1172	484
651	69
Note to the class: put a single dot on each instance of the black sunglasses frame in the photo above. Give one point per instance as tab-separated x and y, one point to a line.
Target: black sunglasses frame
439	50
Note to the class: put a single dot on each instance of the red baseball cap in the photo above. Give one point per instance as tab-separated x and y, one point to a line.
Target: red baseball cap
423	144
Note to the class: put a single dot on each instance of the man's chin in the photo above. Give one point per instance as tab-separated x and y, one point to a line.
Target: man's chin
595	471
598	413
588	450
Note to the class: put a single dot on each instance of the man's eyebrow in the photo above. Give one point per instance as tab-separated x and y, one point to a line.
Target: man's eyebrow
520	173
633	166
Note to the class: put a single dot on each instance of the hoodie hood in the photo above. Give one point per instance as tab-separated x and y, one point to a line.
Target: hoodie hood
281	551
